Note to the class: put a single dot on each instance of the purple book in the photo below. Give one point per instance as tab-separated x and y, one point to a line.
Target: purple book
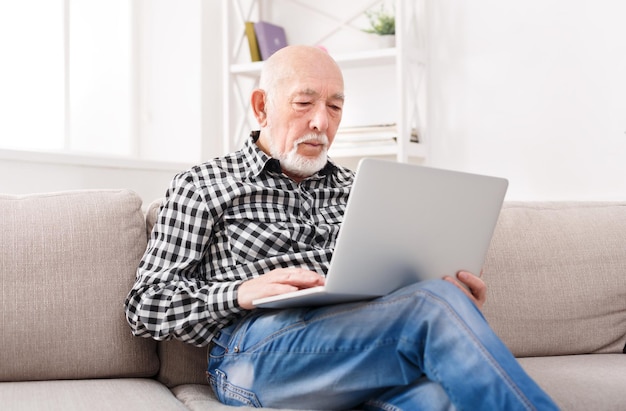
270	38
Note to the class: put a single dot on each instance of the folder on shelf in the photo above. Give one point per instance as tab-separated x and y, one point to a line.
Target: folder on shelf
255	55
270	38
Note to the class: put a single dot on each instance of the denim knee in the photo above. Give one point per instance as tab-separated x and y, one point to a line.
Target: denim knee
444	294
438	288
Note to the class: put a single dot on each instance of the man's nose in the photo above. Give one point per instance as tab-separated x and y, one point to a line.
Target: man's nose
319	121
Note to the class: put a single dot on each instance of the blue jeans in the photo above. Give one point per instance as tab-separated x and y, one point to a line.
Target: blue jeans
423	347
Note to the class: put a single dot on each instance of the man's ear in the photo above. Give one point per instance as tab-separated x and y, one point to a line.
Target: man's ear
258	103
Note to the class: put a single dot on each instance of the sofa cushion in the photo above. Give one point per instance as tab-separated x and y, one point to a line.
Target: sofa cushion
151	215
556	275
67	261
92	395
581	382
182	363
201	398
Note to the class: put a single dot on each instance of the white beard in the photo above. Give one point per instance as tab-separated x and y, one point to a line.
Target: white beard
296	164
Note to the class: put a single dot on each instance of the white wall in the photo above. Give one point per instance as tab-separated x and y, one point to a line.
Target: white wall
534	91
25	173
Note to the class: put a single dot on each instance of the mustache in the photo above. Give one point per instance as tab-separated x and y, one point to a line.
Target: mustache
312	137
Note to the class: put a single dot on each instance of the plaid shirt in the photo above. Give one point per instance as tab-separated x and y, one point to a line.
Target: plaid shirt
224	222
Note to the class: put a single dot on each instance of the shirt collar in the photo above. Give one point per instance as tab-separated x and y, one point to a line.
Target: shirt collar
258	161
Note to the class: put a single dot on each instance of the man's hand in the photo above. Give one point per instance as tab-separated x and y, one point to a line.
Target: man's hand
278	281
477	287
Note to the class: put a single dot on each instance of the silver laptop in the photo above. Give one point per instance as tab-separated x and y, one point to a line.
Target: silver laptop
405	223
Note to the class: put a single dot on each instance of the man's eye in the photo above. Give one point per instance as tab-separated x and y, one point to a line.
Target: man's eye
303	103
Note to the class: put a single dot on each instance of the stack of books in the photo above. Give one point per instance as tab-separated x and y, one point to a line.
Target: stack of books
264	39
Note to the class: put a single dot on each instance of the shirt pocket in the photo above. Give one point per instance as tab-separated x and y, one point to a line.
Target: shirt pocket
255	233
326	224
332	214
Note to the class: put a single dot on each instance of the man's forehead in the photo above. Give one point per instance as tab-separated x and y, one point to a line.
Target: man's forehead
307	91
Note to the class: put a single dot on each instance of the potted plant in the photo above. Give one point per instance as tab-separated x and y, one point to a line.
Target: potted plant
382	24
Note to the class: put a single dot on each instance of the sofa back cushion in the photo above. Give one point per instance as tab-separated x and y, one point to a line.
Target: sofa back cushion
556	275
182	363
67	261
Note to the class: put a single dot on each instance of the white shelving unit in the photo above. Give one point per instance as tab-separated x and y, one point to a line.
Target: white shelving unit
403	136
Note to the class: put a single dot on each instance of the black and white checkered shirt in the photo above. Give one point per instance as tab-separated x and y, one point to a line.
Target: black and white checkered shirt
223	222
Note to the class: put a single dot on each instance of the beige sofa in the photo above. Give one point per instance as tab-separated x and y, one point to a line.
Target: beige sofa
557	276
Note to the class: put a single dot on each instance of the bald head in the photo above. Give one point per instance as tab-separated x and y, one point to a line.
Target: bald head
295	61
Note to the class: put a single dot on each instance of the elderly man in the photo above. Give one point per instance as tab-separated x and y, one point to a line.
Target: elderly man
263	221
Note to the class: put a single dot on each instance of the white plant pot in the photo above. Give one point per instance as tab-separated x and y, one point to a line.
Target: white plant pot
385	41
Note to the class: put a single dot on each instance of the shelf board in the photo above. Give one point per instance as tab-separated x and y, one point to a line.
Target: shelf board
247	69
366	58
345	60
374	148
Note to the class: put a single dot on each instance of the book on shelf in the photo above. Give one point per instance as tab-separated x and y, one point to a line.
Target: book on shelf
371	134
255	55
360	136
270	38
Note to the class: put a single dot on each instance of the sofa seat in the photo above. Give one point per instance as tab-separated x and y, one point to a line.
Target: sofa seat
94	395
200	397
568	379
